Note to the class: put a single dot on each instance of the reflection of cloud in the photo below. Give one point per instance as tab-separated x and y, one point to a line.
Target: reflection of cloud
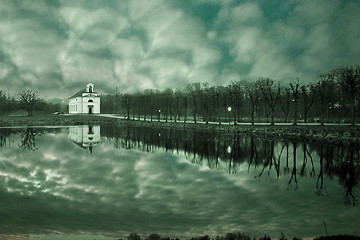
113	191
155	44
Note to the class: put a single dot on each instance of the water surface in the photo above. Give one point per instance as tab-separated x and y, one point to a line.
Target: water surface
107	181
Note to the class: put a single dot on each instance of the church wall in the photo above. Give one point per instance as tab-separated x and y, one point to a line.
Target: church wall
75	105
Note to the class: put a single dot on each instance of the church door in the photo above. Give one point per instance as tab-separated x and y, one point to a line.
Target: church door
90	109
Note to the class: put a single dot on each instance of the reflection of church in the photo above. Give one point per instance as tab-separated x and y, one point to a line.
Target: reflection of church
85	136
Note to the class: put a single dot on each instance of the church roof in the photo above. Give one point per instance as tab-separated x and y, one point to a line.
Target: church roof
79	93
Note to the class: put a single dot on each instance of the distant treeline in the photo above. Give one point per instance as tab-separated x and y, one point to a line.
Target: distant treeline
27	100
333	98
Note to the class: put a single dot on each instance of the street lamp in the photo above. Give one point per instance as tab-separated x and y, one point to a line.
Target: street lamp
159	115
229	149
229	109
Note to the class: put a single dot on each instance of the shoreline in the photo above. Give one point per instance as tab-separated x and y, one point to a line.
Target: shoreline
338	134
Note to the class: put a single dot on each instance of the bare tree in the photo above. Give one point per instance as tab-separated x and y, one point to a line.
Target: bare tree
28	100
308	95
322	89
349	81
185	101
204	103
271	94
178	95
219	92
117	99
194	92
235	94
127	103
254	95
295	87
3	102
285	102
168	98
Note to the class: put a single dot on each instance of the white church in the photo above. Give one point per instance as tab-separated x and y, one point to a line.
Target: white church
85	101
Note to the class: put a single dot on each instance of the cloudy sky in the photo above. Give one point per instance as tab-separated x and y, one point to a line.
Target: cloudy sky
58	46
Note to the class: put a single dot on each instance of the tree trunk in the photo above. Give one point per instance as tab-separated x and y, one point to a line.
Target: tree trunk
327	113
322	113
353	112
296	111
253	115
273	116
185	117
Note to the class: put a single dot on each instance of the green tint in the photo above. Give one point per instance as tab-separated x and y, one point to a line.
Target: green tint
173	183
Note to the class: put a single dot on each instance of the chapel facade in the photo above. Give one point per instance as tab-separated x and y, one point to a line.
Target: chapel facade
85	101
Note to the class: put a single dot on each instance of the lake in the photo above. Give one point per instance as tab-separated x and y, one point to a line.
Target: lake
112	181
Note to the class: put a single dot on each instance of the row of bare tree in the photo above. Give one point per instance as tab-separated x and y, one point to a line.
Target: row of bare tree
334	97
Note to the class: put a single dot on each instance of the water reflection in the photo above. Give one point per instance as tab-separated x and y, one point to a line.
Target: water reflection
172	186
231	152
86	136
28	141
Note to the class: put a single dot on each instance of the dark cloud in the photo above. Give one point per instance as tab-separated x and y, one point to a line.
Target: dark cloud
52	45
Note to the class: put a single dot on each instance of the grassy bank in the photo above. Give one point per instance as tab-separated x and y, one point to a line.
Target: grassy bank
334	134
53	120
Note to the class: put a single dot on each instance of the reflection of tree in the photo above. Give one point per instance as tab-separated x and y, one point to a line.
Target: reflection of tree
343	163
307	155
212	149
286	168
239	150
4	136
234	150
253	153
217	150
320	189
27	141
349	176
293	172
194	148
268	154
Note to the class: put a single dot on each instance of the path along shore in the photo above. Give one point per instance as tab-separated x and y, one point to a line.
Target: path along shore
333	133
